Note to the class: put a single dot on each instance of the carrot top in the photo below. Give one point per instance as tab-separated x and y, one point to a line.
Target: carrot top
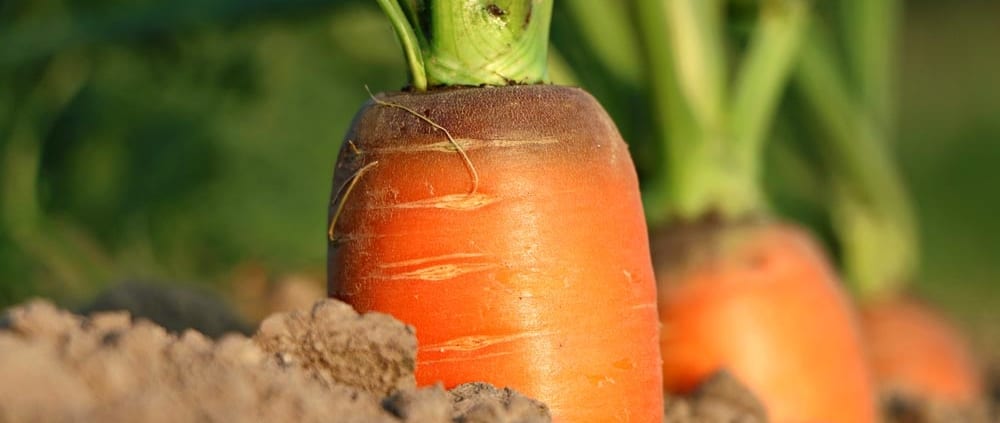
713	124
851	99
478	42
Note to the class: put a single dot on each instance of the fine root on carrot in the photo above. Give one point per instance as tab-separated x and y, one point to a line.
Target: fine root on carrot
451	139
354	148
342	194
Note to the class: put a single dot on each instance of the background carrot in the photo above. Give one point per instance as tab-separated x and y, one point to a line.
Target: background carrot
761	301
914	350
739	290
504	223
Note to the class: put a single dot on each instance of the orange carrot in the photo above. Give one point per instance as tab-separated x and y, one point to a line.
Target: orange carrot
915	351
505	225
760	301
499	217
738	291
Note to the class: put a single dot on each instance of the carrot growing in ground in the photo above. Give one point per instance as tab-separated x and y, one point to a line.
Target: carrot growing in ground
499	217
915	352
738	289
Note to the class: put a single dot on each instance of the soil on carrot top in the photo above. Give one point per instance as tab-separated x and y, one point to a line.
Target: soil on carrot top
325	364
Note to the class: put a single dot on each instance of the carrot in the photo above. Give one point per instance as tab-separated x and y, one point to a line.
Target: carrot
761	300
917	352
505	224
738	289
913	349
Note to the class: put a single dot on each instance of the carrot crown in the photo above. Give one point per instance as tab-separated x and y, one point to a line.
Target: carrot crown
472	42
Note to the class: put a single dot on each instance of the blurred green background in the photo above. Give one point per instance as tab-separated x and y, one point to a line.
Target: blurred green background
184	140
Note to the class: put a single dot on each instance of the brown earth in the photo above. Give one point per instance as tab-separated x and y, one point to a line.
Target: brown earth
897	408
327	364
720	399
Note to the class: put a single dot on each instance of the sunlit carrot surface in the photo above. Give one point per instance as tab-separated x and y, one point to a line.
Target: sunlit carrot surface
761	301
532	271
916	351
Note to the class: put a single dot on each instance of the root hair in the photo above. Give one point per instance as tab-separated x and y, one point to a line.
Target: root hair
342	193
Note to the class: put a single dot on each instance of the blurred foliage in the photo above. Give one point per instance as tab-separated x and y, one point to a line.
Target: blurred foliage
177	140
947	100
173	140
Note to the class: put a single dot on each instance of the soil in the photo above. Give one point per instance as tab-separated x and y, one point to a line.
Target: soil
326	364
720	399
994	396
897	408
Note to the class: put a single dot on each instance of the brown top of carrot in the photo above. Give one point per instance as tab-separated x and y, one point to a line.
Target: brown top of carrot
449	109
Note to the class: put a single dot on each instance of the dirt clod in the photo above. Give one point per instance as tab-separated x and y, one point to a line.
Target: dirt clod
901	408
720	399
483	403
373	352
429	405
60	367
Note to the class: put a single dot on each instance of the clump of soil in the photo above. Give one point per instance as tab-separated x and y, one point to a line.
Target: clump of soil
901	408
375	352
475	402
994	394
328	364
720	399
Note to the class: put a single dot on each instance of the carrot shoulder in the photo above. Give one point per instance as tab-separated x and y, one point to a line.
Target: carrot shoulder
525	266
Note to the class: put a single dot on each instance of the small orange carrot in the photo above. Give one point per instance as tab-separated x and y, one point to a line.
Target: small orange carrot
761	301
916	351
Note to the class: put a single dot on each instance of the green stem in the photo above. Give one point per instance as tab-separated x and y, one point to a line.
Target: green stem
671	117
695	30
686	65
870	27
764	74
713	137
409	40
472	42
871	210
